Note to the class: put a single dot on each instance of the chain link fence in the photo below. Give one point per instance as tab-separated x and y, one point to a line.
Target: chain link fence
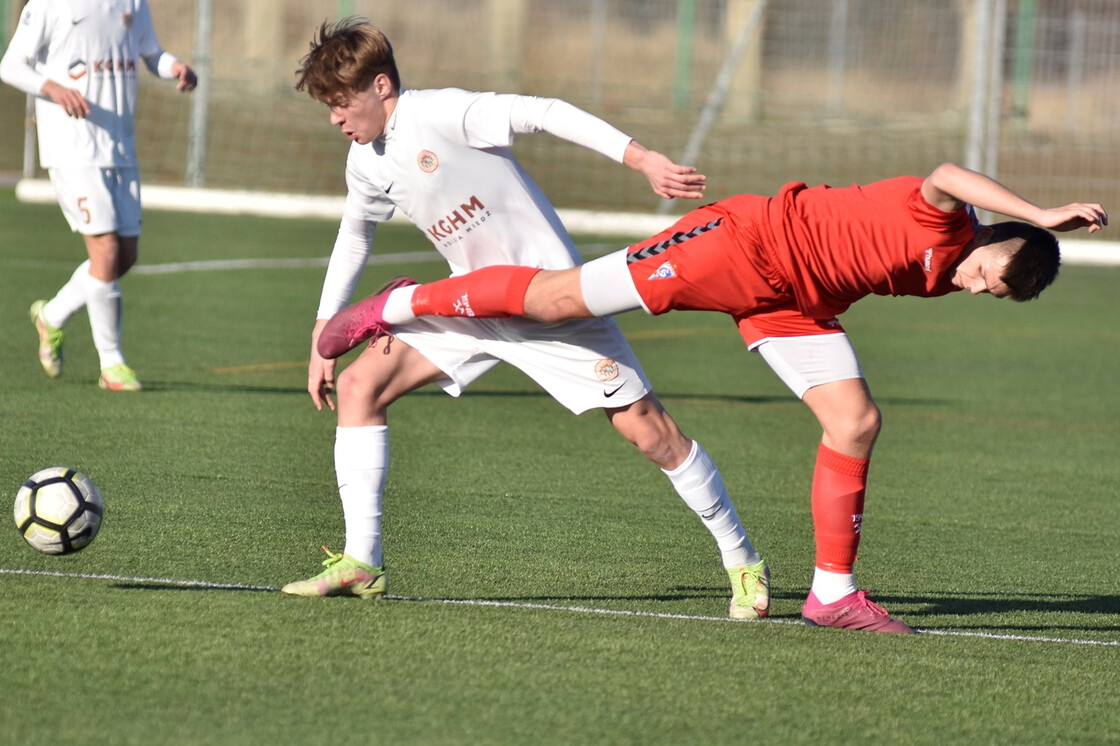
754	93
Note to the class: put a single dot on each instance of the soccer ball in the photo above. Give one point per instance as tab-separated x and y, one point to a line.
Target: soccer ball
58	510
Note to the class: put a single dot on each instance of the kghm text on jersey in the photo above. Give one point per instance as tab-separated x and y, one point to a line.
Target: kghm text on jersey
98	67
469	215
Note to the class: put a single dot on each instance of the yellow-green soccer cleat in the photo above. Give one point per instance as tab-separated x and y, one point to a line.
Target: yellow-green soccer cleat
344	576
119	377
50	340
750	591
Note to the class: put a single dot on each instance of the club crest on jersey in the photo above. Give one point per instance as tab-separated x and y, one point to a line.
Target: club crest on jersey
427	161
606	369
126	19
665	272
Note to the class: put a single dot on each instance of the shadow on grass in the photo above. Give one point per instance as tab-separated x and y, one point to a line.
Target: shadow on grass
945	606
151	387
222	388
141	586
962	605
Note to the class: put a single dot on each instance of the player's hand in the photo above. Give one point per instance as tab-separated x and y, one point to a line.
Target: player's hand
187	79
1077	215
71	101
667	179
320	373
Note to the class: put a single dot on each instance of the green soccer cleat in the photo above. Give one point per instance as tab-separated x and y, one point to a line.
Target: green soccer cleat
344	576
119	377
50	340
750	591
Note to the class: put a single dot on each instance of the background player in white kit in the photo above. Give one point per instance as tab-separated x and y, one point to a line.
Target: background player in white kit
80	58
442	157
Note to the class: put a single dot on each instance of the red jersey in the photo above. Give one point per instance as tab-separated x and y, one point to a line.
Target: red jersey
814	250
835	246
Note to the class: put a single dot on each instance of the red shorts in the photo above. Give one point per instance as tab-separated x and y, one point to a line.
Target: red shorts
710	261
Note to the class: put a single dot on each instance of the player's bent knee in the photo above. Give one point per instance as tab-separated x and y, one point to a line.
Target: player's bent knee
858	430
653	432
353	388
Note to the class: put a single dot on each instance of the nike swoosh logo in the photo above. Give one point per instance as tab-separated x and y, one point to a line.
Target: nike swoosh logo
609	394
75	23
348	580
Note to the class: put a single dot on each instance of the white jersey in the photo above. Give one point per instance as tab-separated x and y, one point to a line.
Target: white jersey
94	47
444	161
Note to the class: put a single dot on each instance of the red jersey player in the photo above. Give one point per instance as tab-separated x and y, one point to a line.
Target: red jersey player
784	268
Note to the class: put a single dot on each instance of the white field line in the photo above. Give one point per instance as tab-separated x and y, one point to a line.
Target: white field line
588	250
206	584
226	264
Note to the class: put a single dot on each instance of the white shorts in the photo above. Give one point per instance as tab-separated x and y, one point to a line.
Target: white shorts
805	362
99	200
585	364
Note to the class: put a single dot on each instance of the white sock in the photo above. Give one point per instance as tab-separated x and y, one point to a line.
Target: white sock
70	299
398	306
361	462
700	485
832	586
103	303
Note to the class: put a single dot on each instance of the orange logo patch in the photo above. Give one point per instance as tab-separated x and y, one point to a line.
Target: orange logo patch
427	161
606	369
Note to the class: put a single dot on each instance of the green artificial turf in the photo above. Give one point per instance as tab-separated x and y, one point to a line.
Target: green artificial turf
548	586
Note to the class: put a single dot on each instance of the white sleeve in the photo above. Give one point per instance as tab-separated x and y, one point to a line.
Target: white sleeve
155	59
348	260
17	68
161	65
561	119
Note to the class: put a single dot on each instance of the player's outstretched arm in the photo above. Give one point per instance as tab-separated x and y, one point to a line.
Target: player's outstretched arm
950	186
668	179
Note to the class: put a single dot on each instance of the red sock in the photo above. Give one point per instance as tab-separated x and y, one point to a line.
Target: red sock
496	292
839	486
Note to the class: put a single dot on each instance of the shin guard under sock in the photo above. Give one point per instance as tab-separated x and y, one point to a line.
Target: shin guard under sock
839	487
495	292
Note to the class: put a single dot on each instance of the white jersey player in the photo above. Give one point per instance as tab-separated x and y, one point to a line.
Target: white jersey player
80	59
442	157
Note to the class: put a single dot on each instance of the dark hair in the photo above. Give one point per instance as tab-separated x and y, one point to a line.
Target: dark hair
345	57
1034	260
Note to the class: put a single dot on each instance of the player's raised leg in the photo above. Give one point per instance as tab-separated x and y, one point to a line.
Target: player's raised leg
499	291
361	321
50	340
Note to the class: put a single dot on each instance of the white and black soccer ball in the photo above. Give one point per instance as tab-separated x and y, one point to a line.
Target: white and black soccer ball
58	510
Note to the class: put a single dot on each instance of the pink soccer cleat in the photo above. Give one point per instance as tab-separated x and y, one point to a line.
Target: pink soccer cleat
853	611
355	324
